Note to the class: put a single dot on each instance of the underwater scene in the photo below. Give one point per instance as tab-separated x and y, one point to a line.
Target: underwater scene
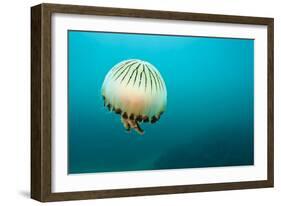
153	101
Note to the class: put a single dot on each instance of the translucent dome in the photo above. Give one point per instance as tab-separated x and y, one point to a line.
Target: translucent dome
136	90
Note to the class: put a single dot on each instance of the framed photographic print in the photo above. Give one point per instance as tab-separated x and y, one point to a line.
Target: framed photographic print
129	102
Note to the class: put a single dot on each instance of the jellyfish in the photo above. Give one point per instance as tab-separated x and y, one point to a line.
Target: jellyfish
135	90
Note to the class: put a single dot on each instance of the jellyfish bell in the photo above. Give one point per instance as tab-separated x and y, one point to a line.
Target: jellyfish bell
136	91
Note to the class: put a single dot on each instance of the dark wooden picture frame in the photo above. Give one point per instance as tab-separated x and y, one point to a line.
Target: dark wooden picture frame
41	101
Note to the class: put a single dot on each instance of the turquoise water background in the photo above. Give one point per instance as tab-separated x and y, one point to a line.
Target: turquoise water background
209	117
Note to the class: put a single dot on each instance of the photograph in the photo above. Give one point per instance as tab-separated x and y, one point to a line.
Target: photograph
154	101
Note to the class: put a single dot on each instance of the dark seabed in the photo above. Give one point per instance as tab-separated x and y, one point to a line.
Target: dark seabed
209	117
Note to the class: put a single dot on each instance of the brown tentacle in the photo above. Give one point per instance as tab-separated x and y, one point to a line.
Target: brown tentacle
129	123
126	124
134	124
139	129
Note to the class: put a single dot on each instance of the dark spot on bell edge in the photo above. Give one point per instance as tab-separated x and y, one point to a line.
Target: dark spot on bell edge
132	117
139	118
145	118
153	119
118	111
109	106
125	116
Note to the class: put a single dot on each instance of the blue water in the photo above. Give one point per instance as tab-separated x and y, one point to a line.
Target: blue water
209	116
